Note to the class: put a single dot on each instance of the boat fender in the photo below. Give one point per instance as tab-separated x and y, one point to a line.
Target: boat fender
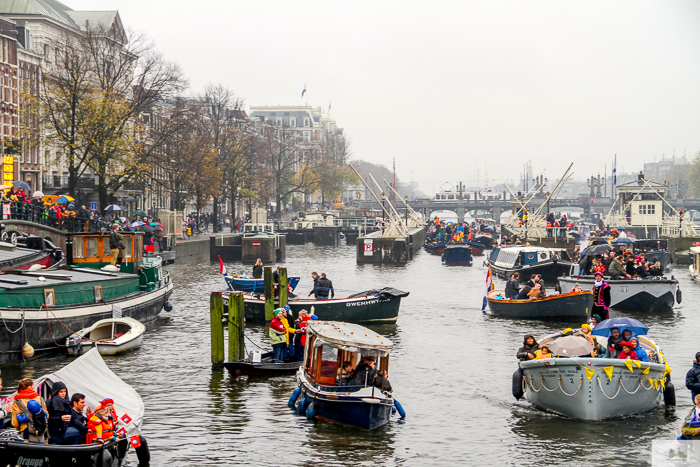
293	398
142	452
669	394
303	403
679	295
168	306
311	411
399	409
518	384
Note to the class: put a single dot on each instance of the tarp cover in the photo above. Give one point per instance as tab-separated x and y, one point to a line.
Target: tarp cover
350	336
383	293
89	375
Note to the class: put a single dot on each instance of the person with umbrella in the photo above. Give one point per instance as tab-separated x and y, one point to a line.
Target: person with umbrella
601	296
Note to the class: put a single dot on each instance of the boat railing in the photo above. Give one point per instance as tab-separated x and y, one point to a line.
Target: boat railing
323	388
40	214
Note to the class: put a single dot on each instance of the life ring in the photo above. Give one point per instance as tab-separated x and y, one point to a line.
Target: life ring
381	224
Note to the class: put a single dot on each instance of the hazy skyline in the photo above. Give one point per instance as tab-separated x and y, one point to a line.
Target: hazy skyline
449	88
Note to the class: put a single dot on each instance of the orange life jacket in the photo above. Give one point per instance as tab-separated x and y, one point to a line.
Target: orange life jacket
99	428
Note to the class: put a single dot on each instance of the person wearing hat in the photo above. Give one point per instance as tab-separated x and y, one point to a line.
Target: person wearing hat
285	316
601	296
300	334
641	353
627	351
278	335
595	320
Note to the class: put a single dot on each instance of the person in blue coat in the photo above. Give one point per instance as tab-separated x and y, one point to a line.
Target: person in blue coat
641	353
692	379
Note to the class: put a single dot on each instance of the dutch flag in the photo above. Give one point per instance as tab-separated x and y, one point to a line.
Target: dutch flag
489	288
304	91
222	268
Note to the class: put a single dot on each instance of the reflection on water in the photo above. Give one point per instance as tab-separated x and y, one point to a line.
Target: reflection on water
451	369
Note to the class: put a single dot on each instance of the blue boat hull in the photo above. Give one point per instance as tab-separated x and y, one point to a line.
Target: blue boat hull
457	255
348	410
255	285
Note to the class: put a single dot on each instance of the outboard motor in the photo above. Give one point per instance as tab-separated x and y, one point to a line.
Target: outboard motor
75	342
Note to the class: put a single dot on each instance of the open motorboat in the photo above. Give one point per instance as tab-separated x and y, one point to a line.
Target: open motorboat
320	395
248	284
587	388
110	336
88	375
573	306
261	364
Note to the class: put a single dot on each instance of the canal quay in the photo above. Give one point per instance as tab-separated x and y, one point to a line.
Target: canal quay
451	369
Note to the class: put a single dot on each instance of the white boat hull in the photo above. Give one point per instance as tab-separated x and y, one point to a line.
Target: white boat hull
109	344
630	294
561	386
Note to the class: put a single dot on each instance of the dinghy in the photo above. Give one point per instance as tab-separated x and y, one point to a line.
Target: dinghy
110	336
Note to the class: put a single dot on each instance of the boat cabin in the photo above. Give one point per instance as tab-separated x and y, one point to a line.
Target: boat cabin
91	249
509	257
329	344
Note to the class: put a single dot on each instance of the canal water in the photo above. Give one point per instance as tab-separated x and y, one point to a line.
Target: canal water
451	370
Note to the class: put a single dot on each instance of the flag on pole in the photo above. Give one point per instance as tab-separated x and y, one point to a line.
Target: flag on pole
222	268
329	107
615	171
489	288
304	91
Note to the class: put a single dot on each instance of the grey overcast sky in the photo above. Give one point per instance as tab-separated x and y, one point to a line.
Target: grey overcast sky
452	88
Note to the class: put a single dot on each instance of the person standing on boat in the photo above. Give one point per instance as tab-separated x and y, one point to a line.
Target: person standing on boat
316	289
601	296
285	315
513	286
278	336
692	378
528	350
114	244
325	287
258	269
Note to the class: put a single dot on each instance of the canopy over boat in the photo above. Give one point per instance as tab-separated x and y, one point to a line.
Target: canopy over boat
350	337
90	375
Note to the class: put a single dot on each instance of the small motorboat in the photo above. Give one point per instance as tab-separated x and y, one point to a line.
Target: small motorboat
484	238
261	364
457	254
110	336
477	248
88	375
573	306
589	388
329	344
247	284
435	248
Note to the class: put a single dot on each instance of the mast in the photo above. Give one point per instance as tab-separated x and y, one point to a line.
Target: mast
394	182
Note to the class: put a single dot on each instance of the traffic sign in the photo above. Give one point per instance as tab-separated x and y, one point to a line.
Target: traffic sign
369	247
93	205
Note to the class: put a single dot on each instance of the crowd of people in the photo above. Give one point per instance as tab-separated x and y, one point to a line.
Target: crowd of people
622	264
62	419
441	231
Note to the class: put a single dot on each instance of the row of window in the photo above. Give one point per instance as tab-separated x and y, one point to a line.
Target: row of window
293	122
50	295
647	209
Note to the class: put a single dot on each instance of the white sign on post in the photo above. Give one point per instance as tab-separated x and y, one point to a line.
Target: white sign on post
369	247
6	211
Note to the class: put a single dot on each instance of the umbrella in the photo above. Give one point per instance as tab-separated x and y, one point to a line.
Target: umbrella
571	346
140	213
155	224
603	328
137	224
64	199
157	227
37	194
597	250
5	187
597	240
145	228
114	207
619	241
21	184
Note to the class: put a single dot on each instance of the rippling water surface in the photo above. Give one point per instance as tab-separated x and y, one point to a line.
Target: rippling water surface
451	369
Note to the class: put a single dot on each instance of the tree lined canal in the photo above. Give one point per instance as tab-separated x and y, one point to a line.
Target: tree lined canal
451	370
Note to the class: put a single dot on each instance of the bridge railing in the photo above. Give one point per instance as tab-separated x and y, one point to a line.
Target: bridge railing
42	215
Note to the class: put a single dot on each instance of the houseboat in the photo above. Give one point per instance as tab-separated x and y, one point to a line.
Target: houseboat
551	263
41	308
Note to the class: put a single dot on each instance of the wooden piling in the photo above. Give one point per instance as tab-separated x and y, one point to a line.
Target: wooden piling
236	327
283	287
216	313
269	294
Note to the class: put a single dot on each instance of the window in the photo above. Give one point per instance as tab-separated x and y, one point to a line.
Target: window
98	293
307	136
646	209
292	121
91	247
49	297
307	122
78	250
278	121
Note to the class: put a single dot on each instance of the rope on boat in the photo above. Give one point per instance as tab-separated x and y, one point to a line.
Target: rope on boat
603	392
532	385
580	383
21	325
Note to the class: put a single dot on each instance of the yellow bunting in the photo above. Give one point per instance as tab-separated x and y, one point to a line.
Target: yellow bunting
662	383
645	371
667	370
656	384
609	371
628	364
637	363
589	372
651	381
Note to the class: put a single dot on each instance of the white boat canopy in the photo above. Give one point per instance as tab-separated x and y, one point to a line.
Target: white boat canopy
90	375
350	337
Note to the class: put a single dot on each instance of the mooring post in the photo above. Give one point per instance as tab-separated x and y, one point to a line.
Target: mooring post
216	314
236	327
283	287
269	294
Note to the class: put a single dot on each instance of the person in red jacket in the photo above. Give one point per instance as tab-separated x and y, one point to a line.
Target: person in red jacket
627	351
278	336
